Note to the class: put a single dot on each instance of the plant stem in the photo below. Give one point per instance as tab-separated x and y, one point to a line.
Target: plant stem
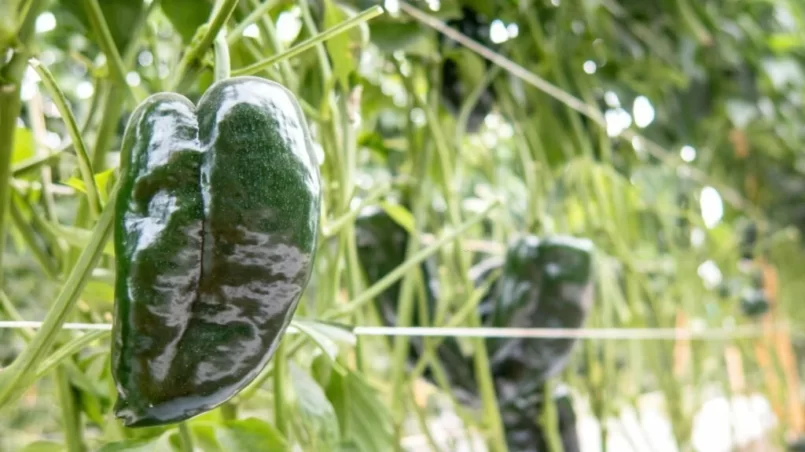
405	306
200	45
185	438
415	260
26	230
10	105
269	32
549	418
256	13
105	41
15	378
9	110
71	416
222	66
84	163
280	370
335	226
311	42
65	351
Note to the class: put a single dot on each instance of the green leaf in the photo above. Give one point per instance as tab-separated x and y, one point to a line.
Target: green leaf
250	435
23	145
76	183
400	215
365	421
23	150
43	446
325	335
159	444
99	295
317	420
103	180
339	46
187	15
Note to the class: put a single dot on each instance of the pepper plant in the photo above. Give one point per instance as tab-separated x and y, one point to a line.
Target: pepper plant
530	164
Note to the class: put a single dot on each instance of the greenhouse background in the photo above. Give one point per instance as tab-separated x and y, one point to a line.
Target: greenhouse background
448	214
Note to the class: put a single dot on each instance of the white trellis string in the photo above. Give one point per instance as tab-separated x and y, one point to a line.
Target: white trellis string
712	334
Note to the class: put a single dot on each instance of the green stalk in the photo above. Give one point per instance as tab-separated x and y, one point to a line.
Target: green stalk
36	118
311	42
185	438
335	226
84	163
71	416
9	110
67	350
15	378
385	282
273	74
222	65
28	235
36	162
549	418
107	44
130	52
458	319
113	106
422	421
256	14
280	373
269	31
481	359
200	44
10	105
406	295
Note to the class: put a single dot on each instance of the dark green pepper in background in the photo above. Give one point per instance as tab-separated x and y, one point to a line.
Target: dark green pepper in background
215	237
546	283
382	243
524	433
754	303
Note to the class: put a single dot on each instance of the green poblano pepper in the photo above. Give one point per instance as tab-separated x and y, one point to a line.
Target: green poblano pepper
215	237
546	283
382	244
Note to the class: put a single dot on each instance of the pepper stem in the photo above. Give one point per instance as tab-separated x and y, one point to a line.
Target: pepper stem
222	66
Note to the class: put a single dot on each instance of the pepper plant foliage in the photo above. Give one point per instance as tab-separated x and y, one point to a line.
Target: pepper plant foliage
669	136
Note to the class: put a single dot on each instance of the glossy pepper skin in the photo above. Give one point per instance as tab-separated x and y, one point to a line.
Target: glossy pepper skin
546	283
215	237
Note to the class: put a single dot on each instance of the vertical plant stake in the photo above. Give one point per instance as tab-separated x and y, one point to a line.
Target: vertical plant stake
215	237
